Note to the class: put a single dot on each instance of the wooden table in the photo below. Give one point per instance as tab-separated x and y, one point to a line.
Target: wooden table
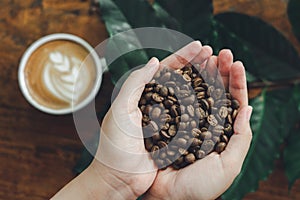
38	151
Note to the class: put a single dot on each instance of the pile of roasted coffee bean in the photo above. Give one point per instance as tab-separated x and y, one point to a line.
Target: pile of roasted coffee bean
186	116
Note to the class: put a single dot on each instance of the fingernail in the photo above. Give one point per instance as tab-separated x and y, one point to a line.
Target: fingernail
151	64
249	112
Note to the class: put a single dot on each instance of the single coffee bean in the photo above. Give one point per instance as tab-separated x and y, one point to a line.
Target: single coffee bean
223	112
200	154
172	130
207	146
185	117
201	95
193	124
188	100
220	147
165	118
181	142
165	134
210	90
165	77
148	144
157	98
234	114
190	158
211	119
235	104
186	77
191	110
156	112
210	101
168	103
205	135
155	151
196	132
224	138
217	93
197	81
164	91
162	144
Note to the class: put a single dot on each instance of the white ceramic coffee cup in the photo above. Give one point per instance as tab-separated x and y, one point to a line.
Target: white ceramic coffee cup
99	64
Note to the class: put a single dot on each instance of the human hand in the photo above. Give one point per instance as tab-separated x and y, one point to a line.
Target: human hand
121	155
210	177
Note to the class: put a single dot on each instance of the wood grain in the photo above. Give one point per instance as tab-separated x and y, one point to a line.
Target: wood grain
38	151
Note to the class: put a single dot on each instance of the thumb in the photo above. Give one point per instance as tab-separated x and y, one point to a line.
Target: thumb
239	143
132	88
126	114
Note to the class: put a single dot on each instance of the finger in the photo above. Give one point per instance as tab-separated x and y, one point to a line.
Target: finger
125	110
239	143
204	54
211	66
132	88
238	84
225	63
183	56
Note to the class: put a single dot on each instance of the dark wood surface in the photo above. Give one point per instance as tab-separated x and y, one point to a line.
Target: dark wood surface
38	151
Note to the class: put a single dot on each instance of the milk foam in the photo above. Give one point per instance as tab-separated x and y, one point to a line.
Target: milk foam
66	77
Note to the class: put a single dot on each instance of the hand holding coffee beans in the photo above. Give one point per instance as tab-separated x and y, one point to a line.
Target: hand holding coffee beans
186	116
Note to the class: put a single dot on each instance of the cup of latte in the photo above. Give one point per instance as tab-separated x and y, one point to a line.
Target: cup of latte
60	73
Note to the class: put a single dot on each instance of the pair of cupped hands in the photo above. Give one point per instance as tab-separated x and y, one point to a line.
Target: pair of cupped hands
123	169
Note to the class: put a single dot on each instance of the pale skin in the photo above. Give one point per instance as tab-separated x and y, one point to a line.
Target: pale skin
122	168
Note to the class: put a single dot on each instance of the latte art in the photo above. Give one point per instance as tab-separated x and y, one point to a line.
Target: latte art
60	76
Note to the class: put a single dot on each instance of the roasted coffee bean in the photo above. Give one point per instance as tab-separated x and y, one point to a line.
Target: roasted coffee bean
220	147
165	134
164	91
155	151
200	113
193	124
165	77
157	98
148	143
196	132
200	154
181	142
204	104
186	77
217	93
190	158
189	111
207	146
234	114
235	104
185	118
168	103
172	130
223	112
205	135
162	144
211	119
188	100
224	138
197	81
155	113
210	90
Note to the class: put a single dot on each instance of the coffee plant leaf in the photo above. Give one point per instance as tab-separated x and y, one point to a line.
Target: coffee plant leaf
291	156
266	53
294	16
268	125
115	23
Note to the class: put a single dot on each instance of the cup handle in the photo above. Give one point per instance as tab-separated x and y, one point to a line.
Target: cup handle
103	64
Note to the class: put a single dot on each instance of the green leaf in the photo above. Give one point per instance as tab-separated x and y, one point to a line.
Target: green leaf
193	16
294	16
291	156
266	53
268	123
116	22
